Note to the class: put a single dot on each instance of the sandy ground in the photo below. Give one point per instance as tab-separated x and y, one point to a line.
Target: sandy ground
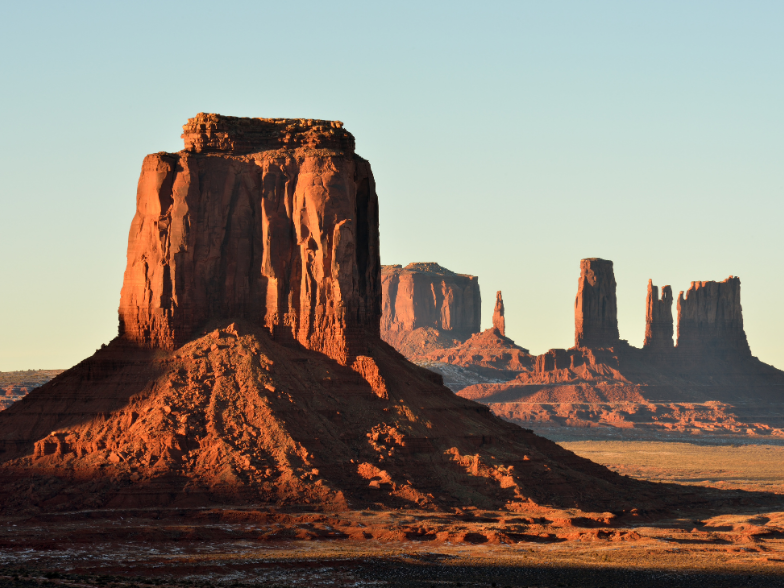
753	466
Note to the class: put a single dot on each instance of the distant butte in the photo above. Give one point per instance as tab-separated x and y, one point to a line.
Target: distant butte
707	382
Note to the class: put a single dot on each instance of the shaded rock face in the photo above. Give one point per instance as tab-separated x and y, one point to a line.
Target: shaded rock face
426	295
710	319
499	323
658	318
595	308
270	220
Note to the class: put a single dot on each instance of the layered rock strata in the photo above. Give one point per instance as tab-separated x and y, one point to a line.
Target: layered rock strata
270	220
595	308
710	319
499	322
426	296
658	318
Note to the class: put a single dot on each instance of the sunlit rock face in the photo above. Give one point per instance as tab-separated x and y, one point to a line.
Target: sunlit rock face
270	220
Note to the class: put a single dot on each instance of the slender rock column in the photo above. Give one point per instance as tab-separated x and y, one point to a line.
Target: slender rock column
499	323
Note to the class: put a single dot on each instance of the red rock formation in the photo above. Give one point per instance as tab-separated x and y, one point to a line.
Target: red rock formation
710	319
271	220
658	318
499	323
693	387
285	241
595	309
428	296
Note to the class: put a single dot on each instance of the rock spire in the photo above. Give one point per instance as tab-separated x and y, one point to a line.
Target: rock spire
499	323
658	318
595	308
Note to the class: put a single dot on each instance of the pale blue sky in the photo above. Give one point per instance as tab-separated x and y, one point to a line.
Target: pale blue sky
508	140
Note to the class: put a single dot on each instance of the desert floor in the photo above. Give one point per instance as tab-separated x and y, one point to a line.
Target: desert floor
741	545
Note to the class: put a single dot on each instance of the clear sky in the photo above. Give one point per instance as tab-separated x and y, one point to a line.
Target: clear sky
508	140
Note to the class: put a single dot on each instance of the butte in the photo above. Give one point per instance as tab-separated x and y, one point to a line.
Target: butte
248	368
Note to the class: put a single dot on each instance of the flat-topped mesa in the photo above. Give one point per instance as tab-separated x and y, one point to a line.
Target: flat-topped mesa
428	295
658	318
595	308
499	322
284	237
710	319
208	132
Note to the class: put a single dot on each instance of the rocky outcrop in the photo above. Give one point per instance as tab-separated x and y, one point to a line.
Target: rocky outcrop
428	296
658	318
499	322
252	267
270	220
595	308
710	320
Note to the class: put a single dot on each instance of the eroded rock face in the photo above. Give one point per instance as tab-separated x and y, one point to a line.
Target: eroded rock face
595	308
710	319
499	323
270	220
426	295
658	318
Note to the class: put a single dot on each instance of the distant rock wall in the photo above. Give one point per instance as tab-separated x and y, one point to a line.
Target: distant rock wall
710	319
270	220
658	318
428	295
595	308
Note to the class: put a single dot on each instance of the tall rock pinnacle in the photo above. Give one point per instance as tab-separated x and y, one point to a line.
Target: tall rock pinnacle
270	220
710	318
499	323
595	308
658	318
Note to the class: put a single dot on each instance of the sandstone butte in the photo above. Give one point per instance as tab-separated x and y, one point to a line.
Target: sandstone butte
248	368
432	316
708	382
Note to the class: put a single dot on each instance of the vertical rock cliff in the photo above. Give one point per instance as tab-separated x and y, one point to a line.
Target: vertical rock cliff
710	319
270	220
658	318
595	308
430	296
499	322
